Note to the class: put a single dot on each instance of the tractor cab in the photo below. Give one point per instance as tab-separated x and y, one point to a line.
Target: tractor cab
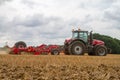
78	34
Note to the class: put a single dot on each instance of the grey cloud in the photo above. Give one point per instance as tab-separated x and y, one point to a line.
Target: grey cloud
50	27
106	3
99	4
3	1
36	26
112	16
31	3
33	21
39	27
115	15
3	24
36	20
117	26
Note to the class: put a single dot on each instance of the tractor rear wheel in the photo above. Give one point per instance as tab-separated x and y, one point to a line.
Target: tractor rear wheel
20	44
76	48
55	52
101	51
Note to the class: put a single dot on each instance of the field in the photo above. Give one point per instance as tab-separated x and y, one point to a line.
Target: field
62	67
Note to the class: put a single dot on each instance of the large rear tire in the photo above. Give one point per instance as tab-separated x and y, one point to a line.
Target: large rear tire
77	48
101	51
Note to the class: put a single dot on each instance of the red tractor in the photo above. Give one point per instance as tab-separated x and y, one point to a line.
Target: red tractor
83	42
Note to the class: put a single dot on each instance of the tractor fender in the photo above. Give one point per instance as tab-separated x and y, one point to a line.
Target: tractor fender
77	40
95	47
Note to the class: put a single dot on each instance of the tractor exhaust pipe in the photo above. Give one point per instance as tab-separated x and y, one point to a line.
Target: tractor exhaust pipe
91	37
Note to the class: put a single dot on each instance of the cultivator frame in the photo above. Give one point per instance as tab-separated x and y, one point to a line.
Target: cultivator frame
41	49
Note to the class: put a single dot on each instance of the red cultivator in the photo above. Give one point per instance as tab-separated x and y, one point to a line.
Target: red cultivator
42	49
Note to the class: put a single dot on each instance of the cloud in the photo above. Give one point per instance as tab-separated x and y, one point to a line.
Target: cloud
112	15
3	1
36	28
51	21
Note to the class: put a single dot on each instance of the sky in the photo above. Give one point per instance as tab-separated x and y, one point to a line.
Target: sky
51	21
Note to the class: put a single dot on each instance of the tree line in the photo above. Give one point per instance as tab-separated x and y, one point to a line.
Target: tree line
110	42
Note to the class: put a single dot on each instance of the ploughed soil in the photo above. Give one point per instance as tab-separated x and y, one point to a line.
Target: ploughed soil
59	67
3	52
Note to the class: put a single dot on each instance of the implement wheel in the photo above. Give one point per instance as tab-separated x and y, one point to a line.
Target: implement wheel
55	52
20	44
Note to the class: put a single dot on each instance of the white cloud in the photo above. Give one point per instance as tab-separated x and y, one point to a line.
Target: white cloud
51	21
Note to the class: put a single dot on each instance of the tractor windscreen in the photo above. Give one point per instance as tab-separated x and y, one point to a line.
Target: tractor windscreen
80	35
83	36
75	35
